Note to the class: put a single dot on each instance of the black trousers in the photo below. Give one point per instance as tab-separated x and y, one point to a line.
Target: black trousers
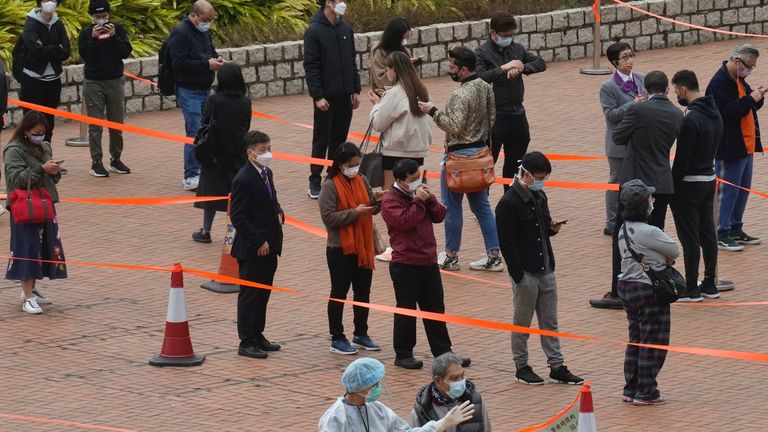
252	302
656	219
345	272
692	207
418	286
330	131
45	93
512	133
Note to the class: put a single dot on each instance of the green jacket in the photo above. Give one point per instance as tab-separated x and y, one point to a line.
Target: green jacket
21	164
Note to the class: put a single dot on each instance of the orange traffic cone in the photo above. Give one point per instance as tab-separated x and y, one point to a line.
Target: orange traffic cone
177	345
227	264
586	411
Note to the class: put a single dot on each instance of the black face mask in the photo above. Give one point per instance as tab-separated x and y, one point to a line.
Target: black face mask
682	101
456	77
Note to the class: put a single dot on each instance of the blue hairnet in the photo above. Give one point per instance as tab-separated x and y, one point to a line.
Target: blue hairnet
362	373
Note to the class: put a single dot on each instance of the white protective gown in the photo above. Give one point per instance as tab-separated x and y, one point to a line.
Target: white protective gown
342	417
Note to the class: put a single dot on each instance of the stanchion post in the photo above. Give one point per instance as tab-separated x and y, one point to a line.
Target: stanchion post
82	140
597	49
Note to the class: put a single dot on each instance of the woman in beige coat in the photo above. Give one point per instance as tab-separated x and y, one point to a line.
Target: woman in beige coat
394	38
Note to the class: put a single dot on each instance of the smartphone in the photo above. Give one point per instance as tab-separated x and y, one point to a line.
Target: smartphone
379	92
418	61
562	222
424	177
59	162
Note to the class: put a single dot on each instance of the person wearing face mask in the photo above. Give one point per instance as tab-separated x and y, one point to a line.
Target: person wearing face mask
347	205
332	80
695	183
103	45
503	62
525	227
649	320
258	219
28	160
44	45
195	62
230	110
410	209
623	89
393	39
360	411
449	388
738	104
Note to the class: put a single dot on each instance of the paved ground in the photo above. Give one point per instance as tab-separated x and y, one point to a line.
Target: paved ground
85	359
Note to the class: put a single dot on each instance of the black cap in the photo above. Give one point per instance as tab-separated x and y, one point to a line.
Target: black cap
98	6
634	192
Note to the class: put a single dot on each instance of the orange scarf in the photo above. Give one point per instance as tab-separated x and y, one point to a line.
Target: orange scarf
356	238
747	123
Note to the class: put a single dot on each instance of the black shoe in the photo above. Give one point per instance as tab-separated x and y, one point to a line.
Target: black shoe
314	190
266	345
465	361
63	171
116	166
201	237
708	288
563	376
251	351
608	232
526	375
607	302
97	169
409	363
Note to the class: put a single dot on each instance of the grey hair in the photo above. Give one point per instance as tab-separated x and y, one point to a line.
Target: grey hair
745	52
200	7
441	364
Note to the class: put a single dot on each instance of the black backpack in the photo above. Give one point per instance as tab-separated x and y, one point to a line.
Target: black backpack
166	76
18	62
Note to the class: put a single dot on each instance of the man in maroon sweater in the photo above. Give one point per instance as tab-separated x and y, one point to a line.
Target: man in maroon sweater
410	209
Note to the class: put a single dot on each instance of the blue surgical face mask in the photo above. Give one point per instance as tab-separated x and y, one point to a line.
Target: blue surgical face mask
374	394
537	184
204	26
504	41
37	139
457	388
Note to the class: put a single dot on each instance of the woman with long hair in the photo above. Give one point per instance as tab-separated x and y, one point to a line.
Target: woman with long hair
36	249
230	110
347	205
393	39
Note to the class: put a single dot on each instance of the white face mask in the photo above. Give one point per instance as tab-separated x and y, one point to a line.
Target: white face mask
650	208
48	7
100	21
340	8
264	159
351	172
405	42
412	186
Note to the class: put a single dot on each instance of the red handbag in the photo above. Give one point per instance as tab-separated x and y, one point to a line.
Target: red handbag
31	206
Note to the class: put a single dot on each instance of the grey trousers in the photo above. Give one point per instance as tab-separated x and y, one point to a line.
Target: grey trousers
536	294
105	98
612	197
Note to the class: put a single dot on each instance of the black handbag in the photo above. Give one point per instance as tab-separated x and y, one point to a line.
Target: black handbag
372	164
668	284
205	141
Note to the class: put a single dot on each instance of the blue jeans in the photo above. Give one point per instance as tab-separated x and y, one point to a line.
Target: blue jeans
454	219
733	200
191	103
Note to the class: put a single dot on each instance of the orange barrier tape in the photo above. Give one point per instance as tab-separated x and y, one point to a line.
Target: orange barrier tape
144	200
556	416
63	423
683	23
762	194
596	10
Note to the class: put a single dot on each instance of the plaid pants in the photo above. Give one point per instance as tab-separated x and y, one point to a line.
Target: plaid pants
649	323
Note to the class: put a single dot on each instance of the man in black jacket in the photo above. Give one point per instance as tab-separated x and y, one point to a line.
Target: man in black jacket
195	61
103	46
694	175
332	80
258	219
524	226
503	62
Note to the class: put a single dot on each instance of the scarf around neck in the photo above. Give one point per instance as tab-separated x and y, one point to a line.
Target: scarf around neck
356	238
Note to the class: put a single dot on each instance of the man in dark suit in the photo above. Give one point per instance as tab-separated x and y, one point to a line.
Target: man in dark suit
648	130
258	219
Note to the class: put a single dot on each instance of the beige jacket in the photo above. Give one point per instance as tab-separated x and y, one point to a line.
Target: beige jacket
378	70
402	133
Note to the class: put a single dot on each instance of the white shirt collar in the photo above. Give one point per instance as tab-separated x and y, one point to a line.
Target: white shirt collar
624	77
259	169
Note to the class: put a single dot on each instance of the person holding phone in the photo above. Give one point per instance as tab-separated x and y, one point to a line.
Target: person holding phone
347	205
393	39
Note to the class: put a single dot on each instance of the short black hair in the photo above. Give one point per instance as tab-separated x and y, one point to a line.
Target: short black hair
254	138
463	57
231	81
403	168
656	82
346	152
536	163
614	50
686	78
503	22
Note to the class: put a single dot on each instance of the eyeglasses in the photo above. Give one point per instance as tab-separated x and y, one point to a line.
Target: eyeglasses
746	65
628	57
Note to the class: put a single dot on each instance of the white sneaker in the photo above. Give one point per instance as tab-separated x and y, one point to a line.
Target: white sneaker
385	256
191	183
2	210
31	306
41	299
488	263
441	258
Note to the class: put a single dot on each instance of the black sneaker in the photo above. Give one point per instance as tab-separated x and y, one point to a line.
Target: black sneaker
314	190
708	288
117	166
201	237
743	238
97	169
607	302
526	375
563	376
409	363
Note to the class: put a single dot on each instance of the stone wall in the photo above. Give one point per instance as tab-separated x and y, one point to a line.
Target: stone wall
276	69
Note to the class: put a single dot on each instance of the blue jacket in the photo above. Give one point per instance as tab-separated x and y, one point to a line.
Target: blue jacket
330	58
190	51
732	110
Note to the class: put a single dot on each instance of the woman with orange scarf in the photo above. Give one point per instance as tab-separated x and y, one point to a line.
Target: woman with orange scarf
347	205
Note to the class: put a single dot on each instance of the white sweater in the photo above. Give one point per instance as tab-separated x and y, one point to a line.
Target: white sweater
402	133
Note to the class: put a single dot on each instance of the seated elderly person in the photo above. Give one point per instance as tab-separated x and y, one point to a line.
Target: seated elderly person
359	411
448	390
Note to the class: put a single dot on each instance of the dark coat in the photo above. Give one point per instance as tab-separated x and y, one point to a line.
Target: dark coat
53	48
190	50
330	58
256	215
233	120
508	92
3	93
698	140
103	58
732	110
426	413
649	129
